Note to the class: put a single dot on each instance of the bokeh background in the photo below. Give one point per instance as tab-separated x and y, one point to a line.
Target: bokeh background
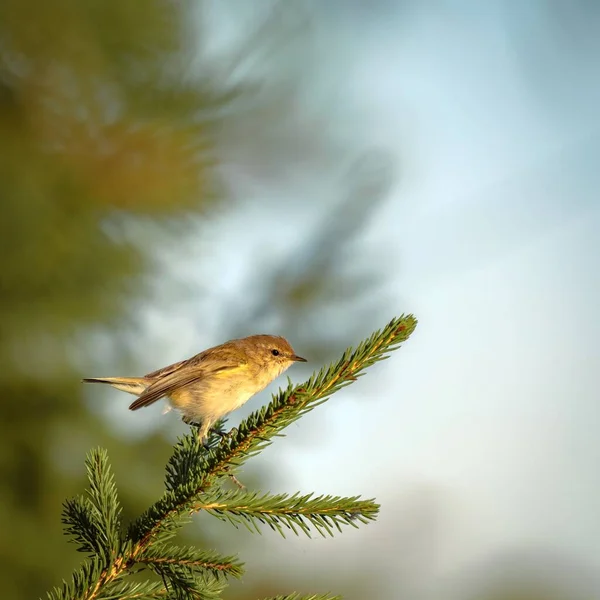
174	174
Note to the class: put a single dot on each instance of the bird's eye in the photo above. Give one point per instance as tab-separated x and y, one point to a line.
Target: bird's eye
275	352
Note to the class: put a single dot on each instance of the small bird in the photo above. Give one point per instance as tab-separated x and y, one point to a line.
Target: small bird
215	382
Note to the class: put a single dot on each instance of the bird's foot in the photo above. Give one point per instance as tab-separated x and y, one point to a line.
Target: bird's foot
223	434
203	434
237	481
202	441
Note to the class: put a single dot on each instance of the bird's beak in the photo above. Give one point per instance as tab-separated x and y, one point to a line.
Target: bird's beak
296	358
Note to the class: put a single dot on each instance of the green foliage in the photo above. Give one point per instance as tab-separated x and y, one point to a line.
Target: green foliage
296	513
206	560
98	121
193	484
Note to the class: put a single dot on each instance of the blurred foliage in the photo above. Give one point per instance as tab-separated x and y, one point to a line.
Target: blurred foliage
530	574
96	119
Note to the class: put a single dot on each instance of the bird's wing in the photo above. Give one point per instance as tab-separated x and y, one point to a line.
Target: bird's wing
167	370
180	374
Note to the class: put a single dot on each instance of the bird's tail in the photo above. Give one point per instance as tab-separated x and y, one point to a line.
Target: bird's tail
131	385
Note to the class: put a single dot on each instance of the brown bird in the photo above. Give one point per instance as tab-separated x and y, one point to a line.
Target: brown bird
215	382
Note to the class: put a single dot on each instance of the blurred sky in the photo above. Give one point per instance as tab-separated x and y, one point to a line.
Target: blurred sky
480	436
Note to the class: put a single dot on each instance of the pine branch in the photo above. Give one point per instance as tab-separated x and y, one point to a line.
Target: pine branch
133	590
79	524
192	470
193	558
180	582
297	513
106	510
192	478
86	578
94	521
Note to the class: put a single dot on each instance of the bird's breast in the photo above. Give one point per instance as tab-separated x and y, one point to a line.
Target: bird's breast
216	396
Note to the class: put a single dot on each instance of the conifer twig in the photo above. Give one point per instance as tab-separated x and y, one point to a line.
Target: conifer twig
193	472
193	477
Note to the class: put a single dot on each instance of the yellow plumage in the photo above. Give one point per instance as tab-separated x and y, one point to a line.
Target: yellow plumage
211	384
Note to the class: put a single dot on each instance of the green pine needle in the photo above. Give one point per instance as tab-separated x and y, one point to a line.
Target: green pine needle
296	513
94	521
83	582
106	510
80	525
193	558
180	582
133	590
